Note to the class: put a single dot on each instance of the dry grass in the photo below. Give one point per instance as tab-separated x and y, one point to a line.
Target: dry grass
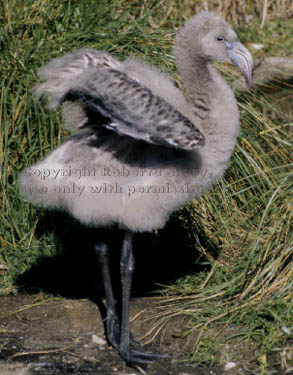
237	12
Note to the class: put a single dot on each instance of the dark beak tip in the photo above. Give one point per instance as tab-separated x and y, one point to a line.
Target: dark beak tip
241	57
250	81
250	84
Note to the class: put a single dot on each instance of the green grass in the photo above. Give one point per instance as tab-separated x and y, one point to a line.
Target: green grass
247	215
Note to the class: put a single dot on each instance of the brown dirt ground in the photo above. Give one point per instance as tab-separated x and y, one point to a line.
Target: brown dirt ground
55	336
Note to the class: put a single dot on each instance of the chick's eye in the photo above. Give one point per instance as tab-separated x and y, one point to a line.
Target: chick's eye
220	38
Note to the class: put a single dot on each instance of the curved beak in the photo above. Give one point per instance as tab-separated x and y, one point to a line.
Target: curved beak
241	57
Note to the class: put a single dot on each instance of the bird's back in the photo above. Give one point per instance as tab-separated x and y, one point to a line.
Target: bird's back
159	83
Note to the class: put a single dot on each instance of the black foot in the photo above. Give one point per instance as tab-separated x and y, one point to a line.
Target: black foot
113	328
113	331
134	357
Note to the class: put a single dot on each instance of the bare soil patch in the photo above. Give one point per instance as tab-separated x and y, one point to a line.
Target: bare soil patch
66	336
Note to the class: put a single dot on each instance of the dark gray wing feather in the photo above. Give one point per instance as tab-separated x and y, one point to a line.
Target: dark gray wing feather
92	81
135	111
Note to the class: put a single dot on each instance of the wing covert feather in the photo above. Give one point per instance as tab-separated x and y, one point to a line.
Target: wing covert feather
135	111
92	79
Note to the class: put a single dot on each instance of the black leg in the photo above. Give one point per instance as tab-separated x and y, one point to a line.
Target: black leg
127	265
112	320
120	336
